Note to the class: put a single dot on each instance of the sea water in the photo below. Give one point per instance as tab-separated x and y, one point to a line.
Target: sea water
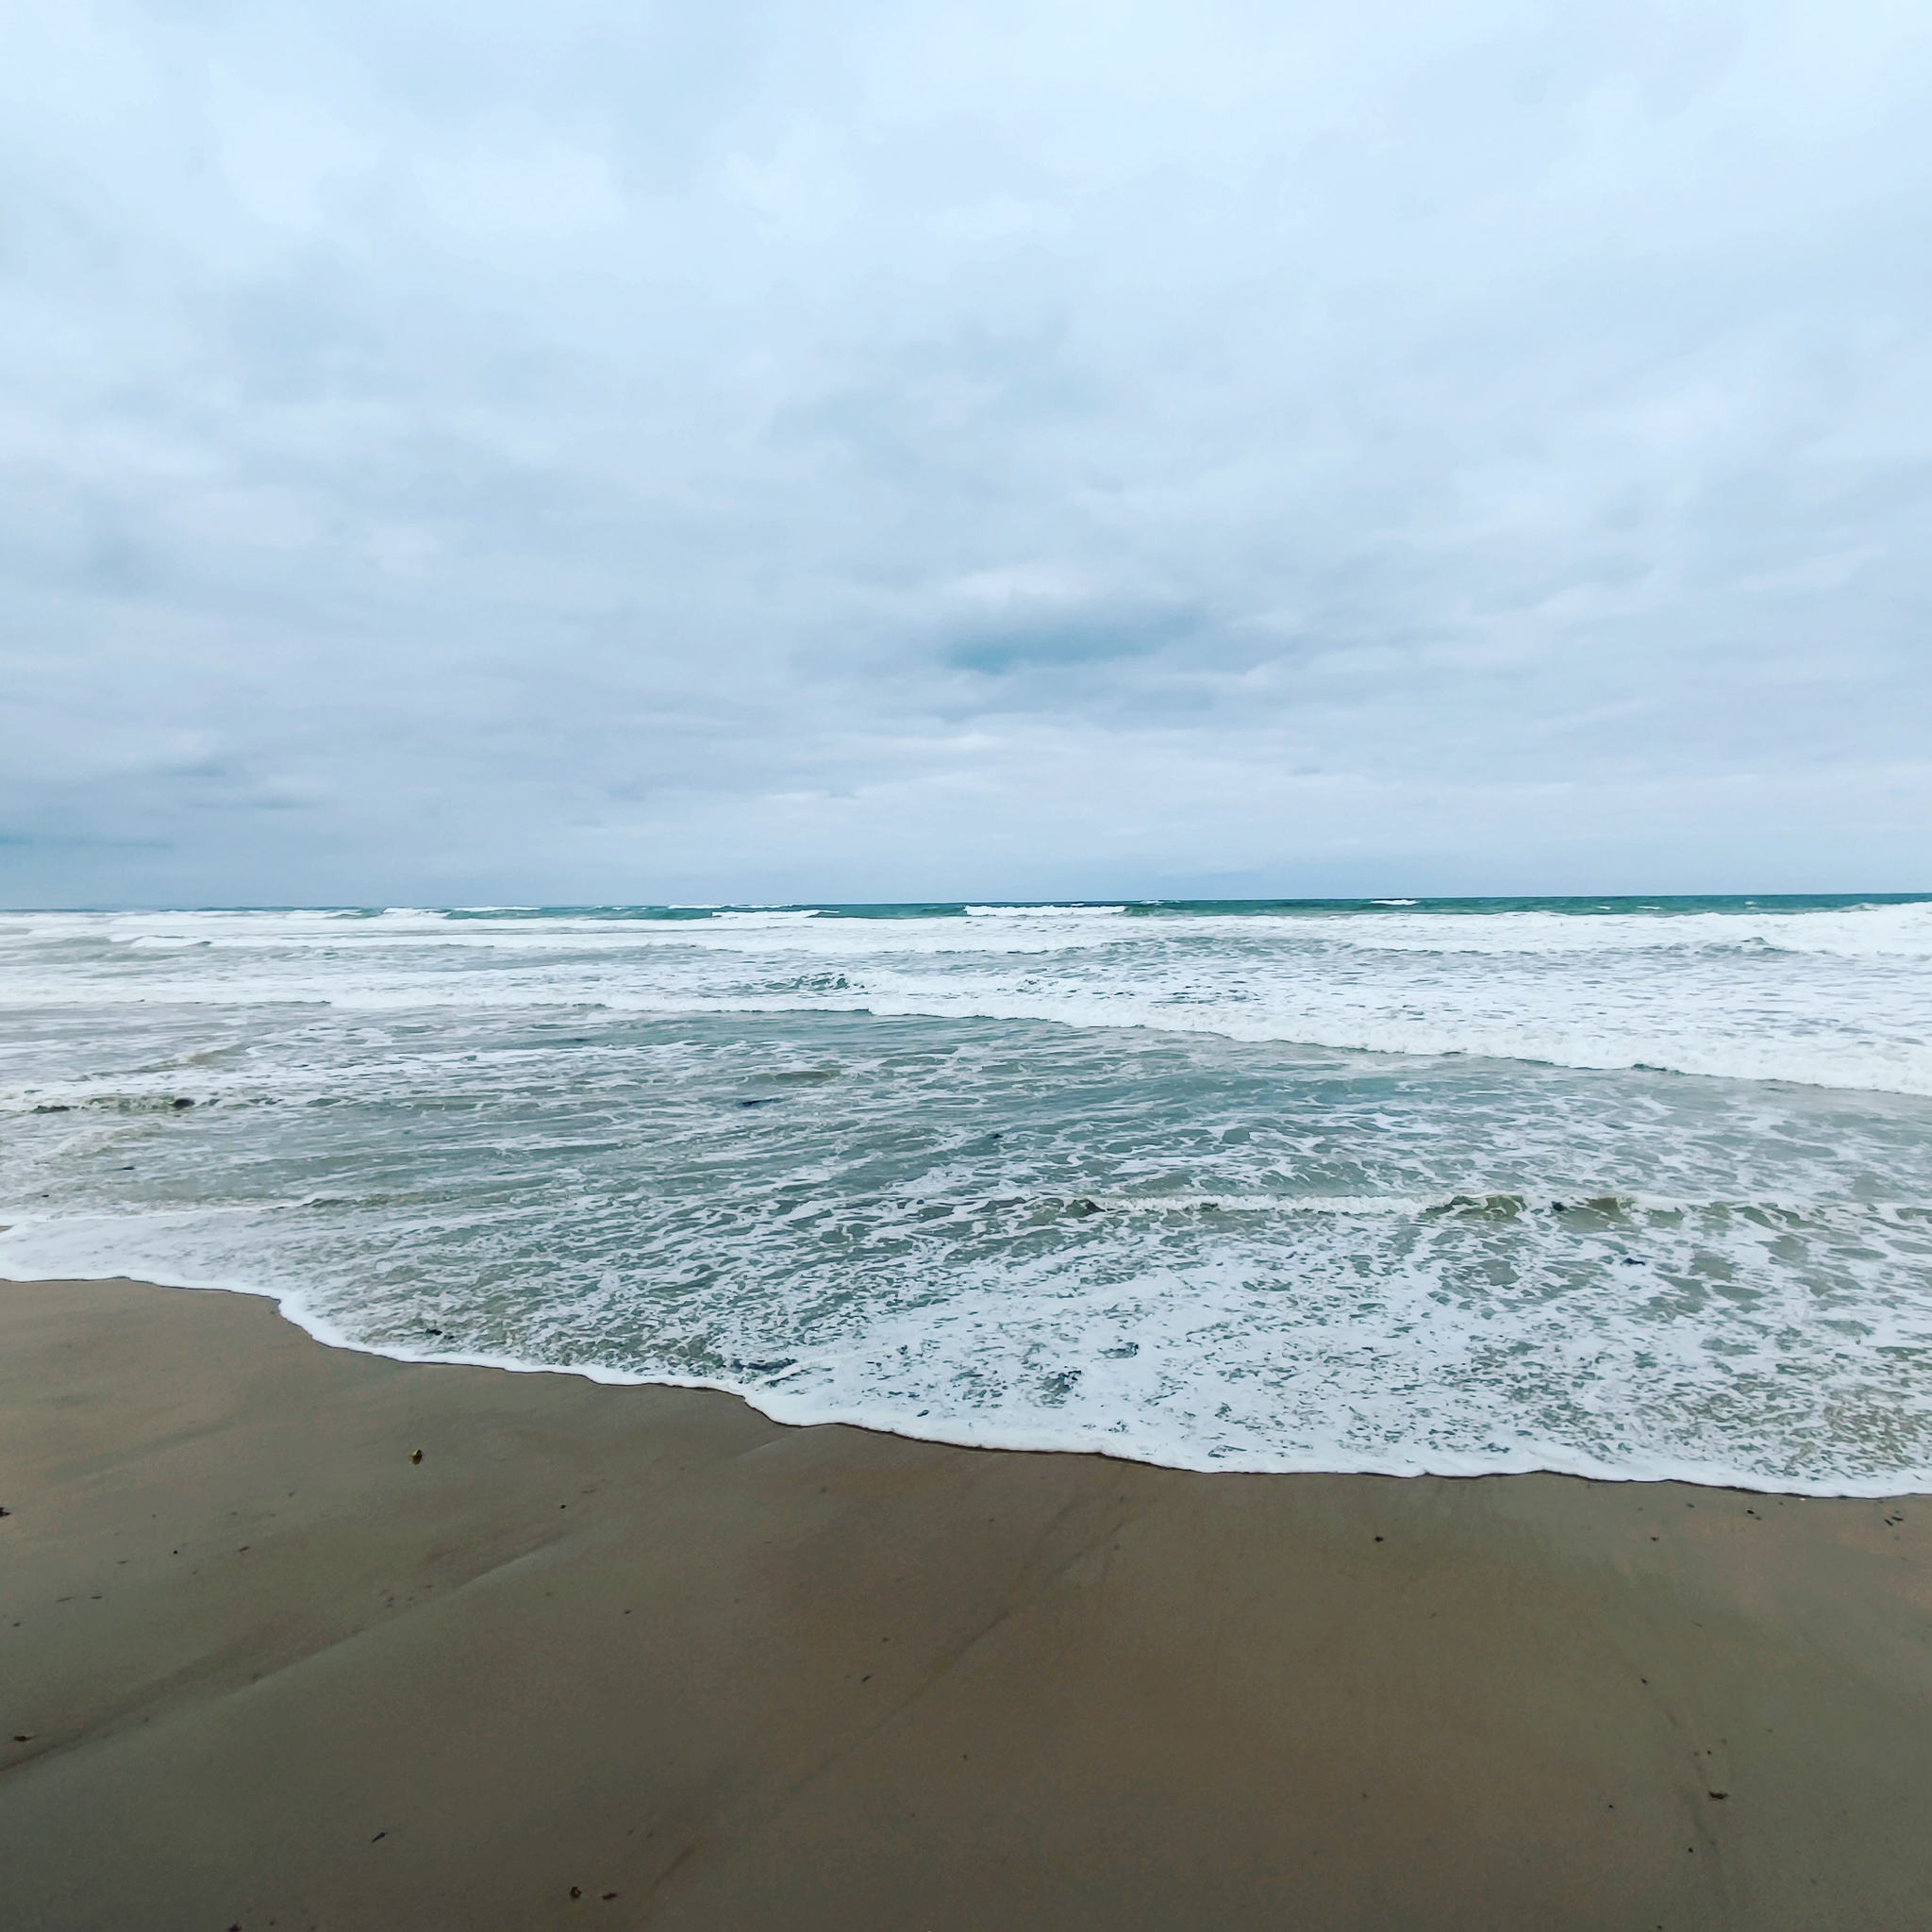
1622	1188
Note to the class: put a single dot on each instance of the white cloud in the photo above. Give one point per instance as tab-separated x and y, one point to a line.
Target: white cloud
613	452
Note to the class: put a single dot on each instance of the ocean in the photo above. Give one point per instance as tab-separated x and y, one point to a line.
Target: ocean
1624	1187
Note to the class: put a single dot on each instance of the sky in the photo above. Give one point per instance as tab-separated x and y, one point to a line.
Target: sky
462	453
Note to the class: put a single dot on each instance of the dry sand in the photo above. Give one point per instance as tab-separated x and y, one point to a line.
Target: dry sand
644	1642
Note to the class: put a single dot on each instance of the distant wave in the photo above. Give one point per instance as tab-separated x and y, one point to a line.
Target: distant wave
1831	996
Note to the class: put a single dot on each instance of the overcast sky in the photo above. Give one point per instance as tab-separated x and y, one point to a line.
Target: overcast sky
586	451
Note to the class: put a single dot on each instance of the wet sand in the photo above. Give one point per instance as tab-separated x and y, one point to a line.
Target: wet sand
638	1657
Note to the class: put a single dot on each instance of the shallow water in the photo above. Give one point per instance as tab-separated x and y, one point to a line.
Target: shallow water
1624	1187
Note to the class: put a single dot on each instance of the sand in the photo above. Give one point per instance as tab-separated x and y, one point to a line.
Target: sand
622	1657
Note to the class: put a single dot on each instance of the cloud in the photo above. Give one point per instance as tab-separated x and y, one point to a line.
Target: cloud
618	453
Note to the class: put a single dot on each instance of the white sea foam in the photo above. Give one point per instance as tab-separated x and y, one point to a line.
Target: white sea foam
1357	1189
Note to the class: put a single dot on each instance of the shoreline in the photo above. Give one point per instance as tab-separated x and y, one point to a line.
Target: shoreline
645	1642
289	1306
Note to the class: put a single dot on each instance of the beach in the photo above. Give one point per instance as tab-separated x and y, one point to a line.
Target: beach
631	1656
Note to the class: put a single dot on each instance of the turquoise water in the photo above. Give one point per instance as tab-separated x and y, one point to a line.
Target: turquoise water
1630	1187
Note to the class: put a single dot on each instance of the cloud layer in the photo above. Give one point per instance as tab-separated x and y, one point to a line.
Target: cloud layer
472	452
